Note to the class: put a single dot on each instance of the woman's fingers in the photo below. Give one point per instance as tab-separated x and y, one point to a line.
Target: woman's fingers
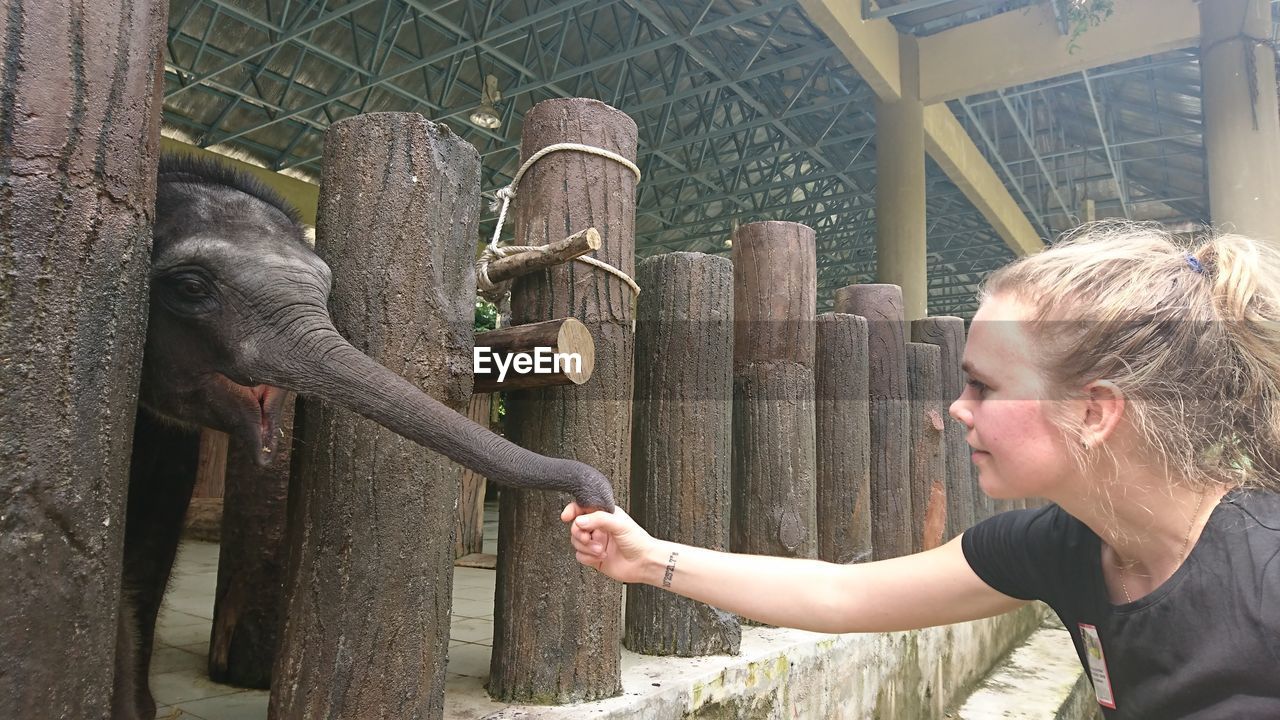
570	512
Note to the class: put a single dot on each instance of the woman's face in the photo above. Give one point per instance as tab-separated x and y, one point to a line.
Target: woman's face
1018	451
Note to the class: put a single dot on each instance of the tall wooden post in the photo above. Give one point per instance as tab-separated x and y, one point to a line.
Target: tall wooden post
248	606
79	134
928	463
469	518
891	510
680	446
962	490
367	626
774	441
557	624
843	438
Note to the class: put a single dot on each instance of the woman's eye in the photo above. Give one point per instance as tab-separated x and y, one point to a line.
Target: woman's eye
978	386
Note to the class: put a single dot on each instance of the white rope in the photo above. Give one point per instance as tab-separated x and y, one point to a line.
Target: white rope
505	195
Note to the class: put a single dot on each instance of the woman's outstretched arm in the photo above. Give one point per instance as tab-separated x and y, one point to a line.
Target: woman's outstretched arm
936	587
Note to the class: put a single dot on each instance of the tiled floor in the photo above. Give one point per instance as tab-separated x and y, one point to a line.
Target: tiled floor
179	678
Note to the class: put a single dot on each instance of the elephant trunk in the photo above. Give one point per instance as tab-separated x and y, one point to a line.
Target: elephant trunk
335	371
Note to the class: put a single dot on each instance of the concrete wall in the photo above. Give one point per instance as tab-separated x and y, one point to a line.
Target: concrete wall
795	674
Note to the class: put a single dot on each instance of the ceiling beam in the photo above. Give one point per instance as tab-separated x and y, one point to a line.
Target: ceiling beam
1015	48
951	147
871	46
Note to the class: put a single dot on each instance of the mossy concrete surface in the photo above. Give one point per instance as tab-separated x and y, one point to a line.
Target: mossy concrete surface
1040	680
783	673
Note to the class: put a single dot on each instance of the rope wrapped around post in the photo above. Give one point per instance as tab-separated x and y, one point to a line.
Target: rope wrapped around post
493	275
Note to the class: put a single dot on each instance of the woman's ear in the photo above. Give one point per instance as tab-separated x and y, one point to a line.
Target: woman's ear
1103	407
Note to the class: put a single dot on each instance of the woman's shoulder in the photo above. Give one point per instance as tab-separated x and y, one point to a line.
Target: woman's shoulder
1047	523
1258	507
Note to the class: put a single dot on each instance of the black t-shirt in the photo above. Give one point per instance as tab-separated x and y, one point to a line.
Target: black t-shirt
1203	645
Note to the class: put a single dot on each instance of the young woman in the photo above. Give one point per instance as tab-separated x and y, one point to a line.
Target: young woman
1136	385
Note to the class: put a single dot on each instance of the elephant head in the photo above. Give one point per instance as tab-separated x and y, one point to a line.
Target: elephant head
239	315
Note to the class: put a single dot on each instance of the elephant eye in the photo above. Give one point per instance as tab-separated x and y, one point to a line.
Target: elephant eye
192	288
187	292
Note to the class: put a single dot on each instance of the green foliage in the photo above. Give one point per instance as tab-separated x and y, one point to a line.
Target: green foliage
1085	14
486	318
486	315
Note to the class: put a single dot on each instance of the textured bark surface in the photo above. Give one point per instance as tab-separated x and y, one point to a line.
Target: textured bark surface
963	496
79	133
367	626
928	461
249	602
469	518
557	624
891	513
843	431
774	442
680	444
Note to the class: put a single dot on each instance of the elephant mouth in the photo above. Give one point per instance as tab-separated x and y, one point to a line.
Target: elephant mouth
258	429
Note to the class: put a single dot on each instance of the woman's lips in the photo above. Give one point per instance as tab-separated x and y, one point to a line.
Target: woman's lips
979	454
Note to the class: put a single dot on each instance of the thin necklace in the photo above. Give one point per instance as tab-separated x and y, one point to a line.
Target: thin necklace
1182	554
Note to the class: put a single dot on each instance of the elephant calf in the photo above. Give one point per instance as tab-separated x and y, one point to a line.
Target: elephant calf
238	316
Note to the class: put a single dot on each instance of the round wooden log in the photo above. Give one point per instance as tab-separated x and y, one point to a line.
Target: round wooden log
469	522
249	602
774	443
680	444
560	251
557	624
962	494
928	461
889	408
369	600
565	355
211	473
79	135
843	431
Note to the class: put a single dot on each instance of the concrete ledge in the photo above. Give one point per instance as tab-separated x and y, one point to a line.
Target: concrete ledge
795	674
1040	680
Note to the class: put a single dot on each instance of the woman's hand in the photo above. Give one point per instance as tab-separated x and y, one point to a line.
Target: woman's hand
610	542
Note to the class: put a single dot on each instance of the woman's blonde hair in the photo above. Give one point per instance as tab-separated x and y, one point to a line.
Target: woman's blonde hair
1188	330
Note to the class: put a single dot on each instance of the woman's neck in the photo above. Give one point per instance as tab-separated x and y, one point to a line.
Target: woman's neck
1147	525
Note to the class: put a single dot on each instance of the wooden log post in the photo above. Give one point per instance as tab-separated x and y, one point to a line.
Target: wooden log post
680	445
469	519
211	470
928	460
891	513
79	135
557	352
204	513
557	624
369	599
843	434
774	442
949	335
249	602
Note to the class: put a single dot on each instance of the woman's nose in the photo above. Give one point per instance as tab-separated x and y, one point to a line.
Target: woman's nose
960	411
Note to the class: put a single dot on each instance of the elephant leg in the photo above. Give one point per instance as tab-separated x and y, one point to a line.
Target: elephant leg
161	480
124	692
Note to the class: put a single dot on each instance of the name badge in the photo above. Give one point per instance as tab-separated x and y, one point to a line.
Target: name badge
1097	666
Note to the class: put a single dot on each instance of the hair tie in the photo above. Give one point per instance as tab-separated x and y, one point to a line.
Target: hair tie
1195	265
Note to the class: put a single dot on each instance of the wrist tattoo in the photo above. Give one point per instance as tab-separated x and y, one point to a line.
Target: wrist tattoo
671	570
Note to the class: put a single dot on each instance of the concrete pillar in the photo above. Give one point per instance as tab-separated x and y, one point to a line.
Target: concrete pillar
900	209
1242	124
